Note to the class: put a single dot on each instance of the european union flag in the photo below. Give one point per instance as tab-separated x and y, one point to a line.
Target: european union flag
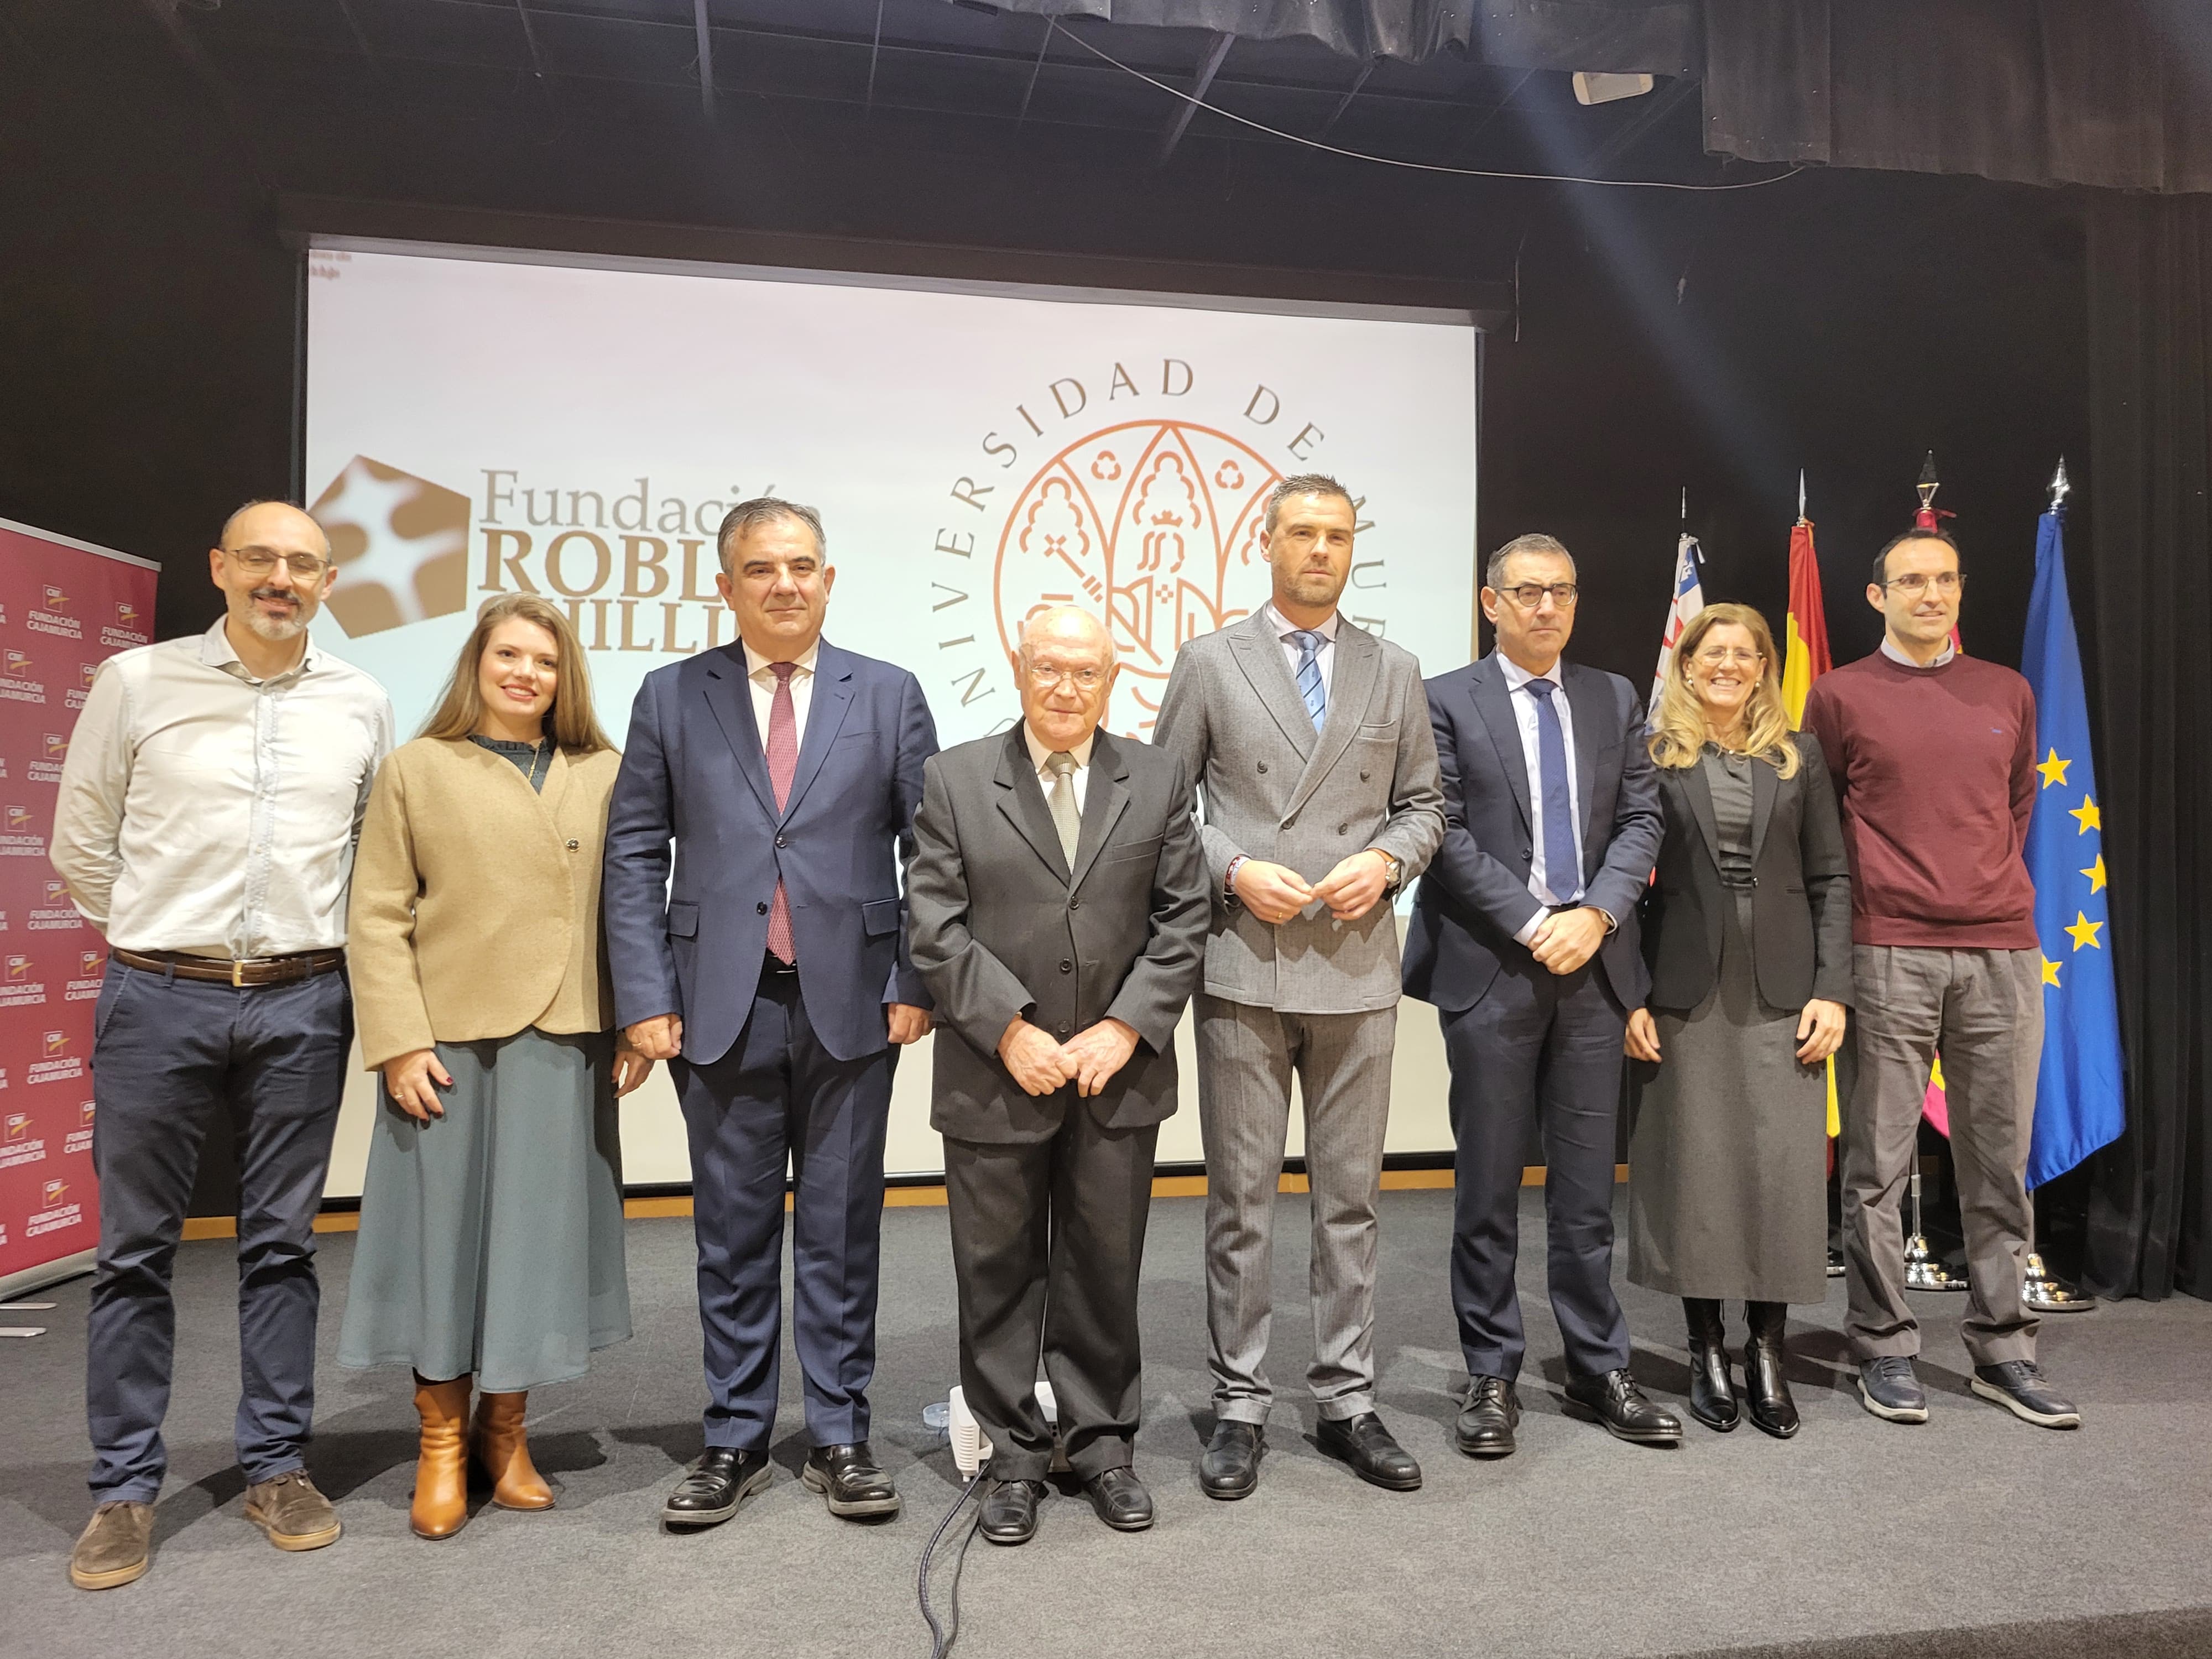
2080	1102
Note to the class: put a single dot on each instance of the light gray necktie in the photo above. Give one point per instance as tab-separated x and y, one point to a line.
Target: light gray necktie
1065	817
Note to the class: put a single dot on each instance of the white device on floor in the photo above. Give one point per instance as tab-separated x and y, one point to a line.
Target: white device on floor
972	1448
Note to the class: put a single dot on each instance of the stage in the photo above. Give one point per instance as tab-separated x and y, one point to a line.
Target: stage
1972	1535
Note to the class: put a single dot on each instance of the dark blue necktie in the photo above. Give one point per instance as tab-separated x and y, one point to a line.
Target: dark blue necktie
1563	859
1314	694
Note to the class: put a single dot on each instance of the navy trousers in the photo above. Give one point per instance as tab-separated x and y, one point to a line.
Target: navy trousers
778	1095
171	1059
1540	1052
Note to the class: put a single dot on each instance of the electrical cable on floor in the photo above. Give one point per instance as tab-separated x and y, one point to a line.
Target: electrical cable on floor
1391	160
942	1636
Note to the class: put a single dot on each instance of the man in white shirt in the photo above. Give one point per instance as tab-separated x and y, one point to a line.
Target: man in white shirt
1524	937
206	822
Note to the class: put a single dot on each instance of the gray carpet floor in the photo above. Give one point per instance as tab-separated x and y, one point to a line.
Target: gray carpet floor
1974	1534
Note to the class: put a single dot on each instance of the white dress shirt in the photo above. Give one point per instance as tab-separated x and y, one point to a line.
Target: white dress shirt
1524	716
1293	654
760	674
1941	657
202	810
1039	754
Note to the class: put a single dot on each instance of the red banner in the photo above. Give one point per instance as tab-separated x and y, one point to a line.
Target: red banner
65	606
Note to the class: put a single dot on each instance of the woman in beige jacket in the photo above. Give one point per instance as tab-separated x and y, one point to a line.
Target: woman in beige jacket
490	1242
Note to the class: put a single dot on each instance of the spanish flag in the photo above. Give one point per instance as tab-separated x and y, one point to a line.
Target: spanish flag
1804	659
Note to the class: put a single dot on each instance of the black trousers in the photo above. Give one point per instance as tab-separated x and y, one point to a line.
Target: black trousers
1048	1241
1541	1051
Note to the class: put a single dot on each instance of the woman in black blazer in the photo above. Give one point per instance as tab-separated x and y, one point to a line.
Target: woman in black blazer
1747	928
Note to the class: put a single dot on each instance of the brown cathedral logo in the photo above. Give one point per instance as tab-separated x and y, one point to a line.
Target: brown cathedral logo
401	545
1153	525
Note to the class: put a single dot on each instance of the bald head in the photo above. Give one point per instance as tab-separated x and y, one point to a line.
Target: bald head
1067	625
273	525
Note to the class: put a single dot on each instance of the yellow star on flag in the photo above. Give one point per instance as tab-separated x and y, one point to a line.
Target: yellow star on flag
2050	970
2089	815
2084	932
2096	874
2054	769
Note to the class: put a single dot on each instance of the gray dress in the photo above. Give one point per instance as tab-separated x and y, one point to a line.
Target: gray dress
491	1239
1727	1187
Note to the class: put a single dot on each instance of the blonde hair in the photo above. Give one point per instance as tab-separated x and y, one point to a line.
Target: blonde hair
1678	731
571	721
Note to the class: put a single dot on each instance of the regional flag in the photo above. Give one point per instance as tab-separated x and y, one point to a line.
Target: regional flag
1689	598
2080	1102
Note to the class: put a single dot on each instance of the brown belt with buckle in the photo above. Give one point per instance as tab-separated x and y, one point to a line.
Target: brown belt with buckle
242	972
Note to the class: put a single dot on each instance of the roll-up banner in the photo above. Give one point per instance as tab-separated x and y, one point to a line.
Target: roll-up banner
65	606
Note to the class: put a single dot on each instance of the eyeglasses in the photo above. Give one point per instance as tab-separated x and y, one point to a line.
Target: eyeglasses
259	562
1529	595
1044	676
1912	584
1734	656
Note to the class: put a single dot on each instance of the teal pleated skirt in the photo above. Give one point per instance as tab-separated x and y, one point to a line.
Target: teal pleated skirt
491	1239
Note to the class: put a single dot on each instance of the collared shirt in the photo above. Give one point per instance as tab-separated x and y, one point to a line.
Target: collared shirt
1895	655
1293	653
1039	754
203	810
761	676
1524	716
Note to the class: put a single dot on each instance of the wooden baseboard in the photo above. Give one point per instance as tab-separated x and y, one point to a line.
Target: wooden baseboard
896	1198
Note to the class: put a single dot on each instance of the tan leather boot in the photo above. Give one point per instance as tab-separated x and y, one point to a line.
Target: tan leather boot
441	1486
496	1439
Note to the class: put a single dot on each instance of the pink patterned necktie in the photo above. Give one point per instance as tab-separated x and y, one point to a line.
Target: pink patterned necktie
782	763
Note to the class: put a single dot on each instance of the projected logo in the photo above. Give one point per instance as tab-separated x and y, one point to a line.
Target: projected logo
1154	525
400	544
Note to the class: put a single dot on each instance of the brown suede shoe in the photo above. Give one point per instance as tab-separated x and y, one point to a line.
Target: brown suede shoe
111	1551
292	1512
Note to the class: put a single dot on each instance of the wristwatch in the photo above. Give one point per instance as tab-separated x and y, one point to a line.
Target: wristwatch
1392	870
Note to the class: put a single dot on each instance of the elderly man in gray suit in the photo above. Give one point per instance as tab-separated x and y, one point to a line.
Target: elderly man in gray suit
1309	741
1057	907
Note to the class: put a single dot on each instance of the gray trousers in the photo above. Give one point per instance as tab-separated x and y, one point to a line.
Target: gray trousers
1247	1056
1983	1009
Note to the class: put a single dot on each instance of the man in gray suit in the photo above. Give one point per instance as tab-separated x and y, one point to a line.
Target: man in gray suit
1057	910
1310	740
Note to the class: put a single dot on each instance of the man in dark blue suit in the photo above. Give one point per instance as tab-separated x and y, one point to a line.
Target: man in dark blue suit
771	974
1524	937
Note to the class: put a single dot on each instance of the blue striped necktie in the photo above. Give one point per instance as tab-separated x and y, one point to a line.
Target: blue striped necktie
1563	856
1310	688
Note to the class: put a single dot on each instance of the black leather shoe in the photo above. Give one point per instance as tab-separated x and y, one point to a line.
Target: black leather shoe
2019	1386
1618	1403
1375	1457
1010	1511
1712	1395
848	1479
1121	1499
1230	1468
1485	1422
1766	1399
722	1479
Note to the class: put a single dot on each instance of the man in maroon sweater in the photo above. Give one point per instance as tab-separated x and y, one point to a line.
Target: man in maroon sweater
1933	754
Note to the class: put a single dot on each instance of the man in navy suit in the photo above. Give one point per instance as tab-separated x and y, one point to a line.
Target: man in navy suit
1524	937
771	974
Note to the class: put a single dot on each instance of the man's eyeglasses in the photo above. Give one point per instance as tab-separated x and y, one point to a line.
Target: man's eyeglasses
1529	595
259	562
1044	676
1913	584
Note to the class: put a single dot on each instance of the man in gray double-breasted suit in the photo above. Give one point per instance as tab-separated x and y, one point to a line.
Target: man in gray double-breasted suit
1308	739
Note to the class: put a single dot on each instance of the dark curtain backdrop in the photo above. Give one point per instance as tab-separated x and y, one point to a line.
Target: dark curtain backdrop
2110	93
2150	355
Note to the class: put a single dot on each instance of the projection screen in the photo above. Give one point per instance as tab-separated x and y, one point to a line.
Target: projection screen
480	422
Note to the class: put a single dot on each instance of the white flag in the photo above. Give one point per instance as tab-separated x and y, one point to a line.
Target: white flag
1689	599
